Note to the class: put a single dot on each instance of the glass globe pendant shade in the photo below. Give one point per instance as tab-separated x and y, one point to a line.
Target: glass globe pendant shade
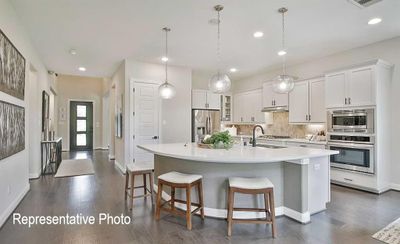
283	84
220	83
166	91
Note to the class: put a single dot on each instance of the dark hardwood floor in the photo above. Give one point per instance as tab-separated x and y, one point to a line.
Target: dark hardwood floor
352	216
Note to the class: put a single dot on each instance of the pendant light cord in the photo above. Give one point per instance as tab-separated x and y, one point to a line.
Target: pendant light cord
166	54
283	11
218	44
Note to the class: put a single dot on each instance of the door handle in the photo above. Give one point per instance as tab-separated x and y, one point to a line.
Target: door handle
155	137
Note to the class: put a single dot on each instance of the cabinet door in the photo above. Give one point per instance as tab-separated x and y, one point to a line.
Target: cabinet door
335	90
361	87
298	102
257	106
213	100
199	99
267	95
237	108
281	100
317	109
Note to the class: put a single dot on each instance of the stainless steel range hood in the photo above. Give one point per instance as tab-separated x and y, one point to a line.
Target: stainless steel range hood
275	109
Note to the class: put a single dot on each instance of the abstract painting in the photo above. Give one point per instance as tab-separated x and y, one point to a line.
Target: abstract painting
12	69
12	129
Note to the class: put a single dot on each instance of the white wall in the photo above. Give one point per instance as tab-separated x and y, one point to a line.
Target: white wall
388	50
14	170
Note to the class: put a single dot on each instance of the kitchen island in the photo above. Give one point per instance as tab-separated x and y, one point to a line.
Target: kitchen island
301	176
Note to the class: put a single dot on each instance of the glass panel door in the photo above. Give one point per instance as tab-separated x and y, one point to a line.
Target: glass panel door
81	126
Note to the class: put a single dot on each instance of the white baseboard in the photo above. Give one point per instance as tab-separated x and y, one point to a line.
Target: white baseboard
4	216
395	187
222	213
120	167
33	176
111	157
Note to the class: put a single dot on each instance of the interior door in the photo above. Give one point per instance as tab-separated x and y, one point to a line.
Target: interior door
81	126
146	119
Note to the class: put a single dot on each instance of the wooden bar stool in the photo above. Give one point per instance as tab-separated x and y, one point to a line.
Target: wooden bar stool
137	169
180	180
252	186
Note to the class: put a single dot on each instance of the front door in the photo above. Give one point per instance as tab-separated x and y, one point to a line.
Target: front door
81	126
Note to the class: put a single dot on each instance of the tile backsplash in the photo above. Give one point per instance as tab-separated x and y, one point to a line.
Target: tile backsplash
281	127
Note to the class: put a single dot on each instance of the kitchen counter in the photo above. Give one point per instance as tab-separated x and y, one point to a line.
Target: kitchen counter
237	154
284	140
300	176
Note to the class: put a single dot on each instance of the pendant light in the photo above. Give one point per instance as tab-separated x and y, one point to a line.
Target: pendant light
220	82
283	83
166	90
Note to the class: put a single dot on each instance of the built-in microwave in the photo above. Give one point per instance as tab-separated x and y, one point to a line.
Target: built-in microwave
354	121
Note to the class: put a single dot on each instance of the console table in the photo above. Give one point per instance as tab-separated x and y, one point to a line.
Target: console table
50	152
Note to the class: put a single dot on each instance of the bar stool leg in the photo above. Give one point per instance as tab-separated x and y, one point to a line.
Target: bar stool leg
231	200
145	186
126	184
266	203
158	202
172	198
188	208
201	201
272	207
151	187
132	188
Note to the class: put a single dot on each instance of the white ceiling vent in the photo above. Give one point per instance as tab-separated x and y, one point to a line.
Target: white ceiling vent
363	3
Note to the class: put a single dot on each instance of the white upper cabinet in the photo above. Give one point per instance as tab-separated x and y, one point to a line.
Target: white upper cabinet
307	102
213	100
273	99
355	87
335	87
203	99
360	87
317	101
247	107
298	100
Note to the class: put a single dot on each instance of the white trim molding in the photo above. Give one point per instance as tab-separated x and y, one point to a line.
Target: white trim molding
111	157
303	218
120	167
4	216
35	175
395	187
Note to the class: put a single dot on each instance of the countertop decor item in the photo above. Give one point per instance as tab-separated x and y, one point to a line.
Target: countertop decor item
219	140
283	83
166	90
220	82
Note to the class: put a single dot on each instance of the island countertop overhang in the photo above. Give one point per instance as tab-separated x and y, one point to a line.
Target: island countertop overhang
237	154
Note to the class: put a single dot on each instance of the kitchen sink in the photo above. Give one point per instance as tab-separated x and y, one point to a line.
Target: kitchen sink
270	146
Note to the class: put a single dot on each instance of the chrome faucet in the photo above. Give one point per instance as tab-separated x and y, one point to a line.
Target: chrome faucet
254	134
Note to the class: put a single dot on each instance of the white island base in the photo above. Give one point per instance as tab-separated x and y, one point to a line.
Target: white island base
301	187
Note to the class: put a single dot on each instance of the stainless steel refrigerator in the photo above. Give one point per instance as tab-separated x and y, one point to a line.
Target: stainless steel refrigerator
205	122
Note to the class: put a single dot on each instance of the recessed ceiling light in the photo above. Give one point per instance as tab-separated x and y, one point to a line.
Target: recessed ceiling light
72	52
374	21
258	34
83	69
282	52
164	59
232	70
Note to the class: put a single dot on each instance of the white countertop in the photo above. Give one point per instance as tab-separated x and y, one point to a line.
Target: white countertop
237	154
296	140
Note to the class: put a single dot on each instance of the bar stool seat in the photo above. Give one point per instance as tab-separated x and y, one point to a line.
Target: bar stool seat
143	169
250	183
179	178
252	186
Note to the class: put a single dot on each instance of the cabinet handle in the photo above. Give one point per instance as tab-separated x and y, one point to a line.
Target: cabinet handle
349	100
345	101
272	102
309	117
306	117
241	119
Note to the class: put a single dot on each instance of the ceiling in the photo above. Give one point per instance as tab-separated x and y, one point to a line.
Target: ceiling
105	32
